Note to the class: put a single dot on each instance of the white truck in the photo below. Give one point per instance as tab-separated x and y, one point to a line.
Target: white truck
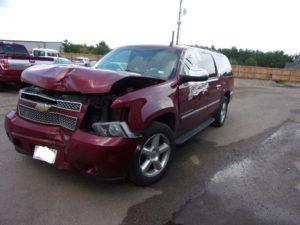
44	52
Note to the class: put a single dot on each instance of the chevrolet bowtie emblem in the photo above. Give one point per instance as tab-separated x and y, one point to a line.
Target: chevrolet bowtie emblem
42	107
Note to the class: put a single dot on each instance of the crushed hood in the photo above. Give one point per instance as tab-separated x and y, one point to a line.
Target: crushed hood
74	79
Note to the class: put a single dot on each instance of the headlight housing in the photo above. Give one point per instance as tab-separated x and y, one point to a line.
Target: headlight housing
113	129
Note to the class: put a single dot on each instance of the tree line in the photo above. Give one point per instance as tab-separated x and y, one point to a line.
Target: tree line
275	59
100	48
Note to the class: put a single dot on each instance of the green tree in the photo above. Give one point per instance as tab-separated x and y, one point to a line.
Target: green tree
251	61
276	59
100	49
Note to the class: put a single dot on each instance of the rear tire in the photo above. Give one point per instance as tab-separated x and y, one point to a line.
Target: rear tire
153	155
221	114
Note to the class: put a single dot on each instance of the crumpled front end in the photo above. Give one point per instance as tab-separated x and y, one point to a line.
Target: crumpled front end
75	127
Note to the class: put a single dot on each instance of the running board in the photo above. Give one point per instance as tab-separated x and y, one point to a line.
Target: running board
186	136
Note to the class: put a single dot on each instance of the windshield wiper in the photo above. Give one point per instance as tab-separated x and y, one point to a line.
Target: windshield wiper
131	71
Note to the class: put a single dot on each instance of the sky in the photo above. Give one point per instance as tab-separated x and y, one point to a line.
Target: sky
266	25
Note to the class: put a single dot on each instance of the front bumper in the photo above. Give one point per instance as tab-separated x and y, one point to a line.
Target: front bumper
88	153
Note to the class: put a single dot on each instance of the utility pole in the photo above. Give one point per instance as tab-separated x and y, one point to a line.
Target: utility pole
179	23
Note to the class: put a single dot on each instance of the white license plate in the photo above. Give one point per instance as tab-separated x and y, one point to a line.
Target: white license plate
45	154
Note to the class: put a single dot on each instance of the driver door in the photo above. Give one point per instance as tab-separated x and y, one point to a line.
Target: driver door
192	95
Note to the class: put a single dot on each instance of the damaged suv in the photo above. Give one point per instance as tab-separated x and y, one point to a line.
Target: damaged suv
124	117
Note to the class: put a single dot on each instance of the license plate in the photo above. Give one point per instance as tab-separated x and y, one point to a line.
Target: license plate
45	154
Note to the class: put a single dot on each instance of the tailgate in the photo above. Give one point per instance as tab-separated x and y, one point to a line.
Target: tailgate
18	65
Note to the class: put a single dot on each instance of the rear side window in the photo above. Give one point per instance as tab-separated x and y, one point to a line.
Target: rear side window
13	50
223	65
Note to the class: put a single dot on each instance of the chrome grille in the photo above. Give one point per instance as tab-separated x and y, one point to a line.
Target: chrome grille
69	105
57	103
51	118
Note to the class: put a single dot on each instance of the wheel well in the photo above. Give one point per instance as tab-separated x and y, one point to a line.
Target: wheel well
168	119
227	94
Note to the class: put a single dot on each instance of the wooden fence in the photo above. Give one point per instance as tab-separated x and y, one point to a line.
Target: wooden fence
265	73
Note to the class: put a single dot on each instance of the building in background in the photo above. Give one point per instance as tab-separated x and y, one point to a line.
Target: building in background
38	44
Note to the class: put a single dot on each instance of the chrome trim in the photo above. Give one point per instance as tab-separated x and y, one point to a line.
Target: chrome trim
212	79
198	110
56	113
51	99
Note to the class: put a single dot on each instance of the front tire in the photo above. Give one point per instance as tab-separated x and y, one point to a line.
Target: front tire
153	155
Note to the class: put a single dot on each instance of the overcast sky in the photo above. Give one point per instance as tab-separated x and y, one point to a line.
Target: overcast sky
254	24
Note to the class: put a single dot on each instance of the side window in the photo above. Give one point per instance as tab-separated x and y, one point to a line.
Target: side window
223	65
40	53
199	60
206	62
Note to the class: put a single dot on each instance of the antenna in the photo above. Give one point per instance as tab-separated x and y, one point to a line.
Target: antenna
179	22
172	41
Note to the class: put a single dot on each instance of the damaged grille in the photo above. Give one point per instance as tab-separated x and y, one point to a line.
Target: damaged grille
57	103
50	107
51	118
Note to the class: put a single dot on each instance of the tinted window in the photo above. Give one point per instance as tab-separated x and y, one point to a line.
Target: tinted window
38	53
13	50
223	65
157	62
53	54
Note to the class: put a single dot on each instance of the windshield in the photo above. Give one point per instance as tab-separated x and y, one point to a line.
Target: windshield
157	62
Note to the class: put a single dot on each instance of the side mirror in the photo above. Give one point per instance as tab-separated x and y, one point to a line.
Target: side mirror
196	75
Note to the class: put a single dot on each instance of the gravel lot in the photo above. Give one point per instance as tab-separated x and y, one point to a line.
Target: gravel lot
247	172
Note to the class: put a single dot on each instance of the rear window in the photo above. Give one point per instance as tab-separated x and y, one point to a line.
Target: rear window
13	50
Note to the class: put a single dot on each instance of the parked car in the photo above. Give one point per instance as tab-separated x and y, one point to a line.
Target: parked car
92	63
64	61
81	61
14	58
124	117
45	52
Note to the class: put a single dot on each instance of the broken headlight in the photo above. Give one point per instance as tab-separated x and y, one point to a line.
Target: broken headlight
112	129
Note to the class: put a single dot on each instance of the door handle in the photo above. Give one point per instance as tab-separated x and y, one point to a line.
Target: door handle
218	86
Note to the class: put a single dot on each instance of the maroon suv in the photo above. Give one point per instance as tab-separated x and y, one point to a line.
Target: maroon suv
124	117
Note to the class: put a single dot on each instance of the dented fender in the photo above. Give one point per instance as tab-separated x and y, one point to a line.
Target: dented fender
145	105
